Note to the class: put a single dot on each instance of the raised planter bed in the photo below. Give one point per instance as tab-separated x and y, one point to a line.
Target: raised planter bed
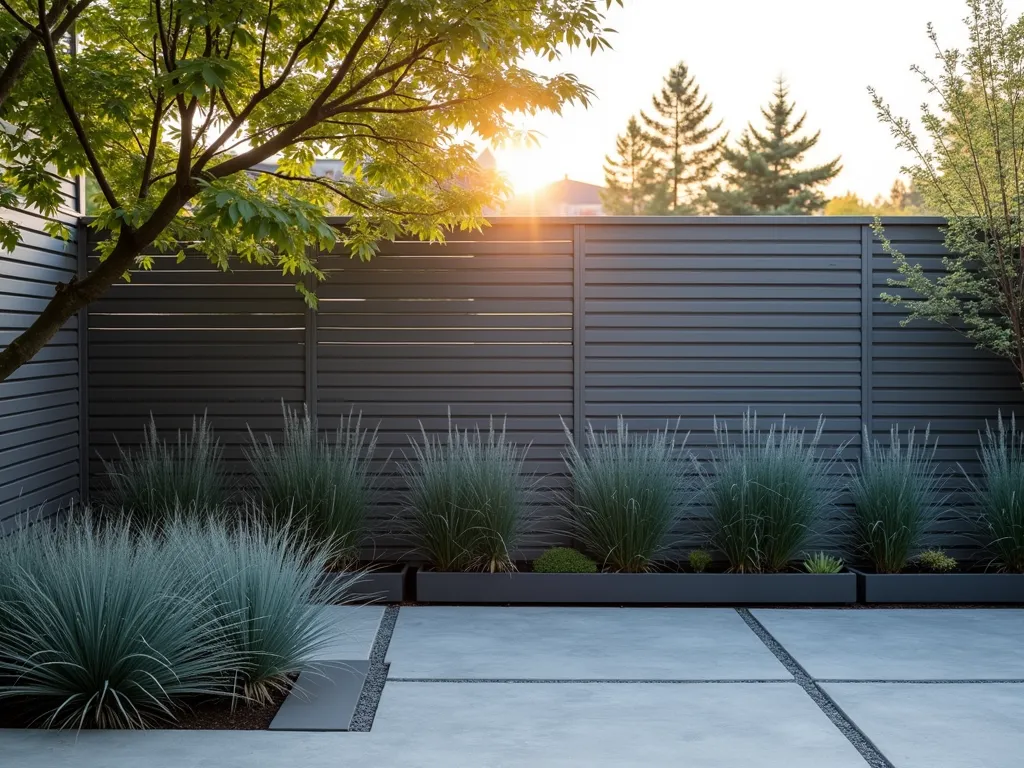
939	587
636	588
385	584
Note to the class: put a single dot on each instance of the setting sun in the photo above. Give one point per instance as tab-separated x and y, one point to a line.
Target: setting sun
527	168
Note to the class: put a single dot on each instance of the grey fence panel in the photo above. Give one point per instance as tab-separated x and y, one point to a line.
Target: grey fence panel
186	339
40	427
547	321
480	326
711	319
928	375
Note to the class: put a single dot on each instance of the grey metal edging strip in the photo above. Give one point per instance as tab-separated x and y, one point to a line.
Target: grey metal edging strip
82	242
866	331
312	405
579	234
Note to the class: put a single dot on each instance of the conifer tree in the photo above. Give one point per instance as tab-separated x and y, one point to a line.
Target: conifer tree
764	173
630	178
687	145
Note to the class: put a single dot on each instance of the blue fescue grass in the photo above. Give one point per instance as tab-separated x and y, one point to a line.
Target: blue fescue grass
768	495
628	491
157	480
897	495
466	499
321	485
100	627
998	497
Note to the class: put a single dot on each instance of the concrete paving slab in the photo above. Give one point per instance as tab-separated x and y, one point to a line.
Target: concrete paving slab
324	698
902	644
354	628
442	725
915	725
494	643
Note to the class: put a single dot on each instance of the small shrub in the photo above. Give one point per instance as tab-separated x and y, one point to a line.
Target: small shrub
101	627
312	483
998	497
896	497
466	498
157	480
936	560
699	560
767	496
564	560
628	489
820	562
266	586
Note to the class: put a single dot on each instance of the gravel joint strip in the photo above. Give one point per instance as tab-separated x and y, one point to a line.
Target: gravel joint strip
854	735
373	687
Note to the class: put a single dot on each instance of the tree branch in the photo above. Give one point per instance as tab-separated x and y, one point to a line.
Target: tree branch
23	51
76	123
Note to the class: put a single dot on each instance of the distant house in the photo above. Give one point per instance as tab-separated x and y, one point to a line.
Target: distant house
561	198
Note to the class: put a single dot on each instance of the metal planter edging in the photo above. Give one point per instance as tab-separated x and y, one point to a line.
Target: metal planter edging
940	588
376	586
636	588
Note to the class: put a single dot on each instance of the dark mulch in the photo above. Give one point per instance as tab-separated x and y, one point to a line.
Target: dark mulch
211	714
216	715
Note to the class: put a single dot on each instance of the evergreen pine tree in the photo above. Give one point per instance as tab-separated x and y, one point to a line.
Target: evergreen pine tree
764	176
631	177
687	145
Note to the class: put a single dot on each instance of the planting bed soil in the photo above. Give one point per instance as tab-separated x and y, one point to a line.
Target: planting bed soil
216	715
679	588
212	714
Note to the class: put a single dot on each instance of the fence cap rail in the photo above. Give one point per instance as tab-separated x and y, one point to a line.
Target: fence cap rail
937	221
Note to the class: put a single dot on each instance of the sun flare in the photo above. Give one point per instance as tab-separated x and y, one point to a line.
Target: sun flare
526	168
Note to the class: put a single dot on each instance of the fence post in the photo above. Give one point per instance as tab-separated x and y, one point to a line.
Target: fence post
312	406
866	320
579	250
82	244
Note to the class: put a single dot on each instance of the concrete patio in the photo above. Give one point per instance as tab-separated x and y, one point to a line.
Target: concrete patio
711	687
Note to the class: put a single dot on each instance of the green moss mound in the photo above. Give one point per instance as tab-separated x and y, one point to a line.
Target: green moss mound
564	560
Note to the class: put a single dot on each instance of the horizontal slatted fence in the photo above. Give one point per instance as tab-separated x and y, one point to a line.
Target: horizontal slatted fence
481	326
698	321
183	339
923	374
40	445
538	320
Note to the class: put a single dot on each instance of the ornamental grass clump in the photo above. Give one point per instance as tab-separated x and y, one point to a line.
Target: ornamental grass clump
466	497
265	597
102	627
312	483
157	479
897	496
767	496
998	496
628	491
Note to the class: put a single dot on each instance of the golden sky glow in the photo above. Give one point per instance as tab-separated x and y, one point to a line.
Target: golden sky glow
829	51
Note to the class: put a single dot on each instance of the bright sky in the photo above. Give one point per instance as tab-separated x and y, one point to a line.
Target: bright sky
828	51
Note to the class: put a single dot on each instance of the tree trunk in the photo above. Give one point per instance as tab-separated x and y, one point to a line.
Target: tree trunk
74	295
70	297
